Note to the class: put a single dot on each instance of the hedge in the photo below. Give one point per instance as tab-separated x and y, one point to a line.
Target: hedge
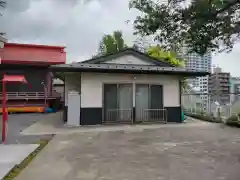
205	117
233	121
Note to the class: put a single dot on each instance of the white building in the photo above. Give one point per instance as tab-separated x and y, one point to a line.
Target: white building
235	89
126	87
200	63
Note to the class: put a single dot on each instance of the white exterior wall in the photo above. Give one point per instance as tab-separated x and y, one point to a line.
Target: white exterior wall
128	59
72	83
92	84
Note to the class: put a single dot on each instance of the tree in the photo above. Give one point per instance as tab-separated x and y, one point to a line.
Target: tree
202	25
111	43
168	56
2	5
141	44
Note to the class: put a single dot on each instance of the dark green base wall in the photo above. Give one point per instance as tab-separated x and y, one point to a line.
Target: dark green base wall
90	116
174	114
93	115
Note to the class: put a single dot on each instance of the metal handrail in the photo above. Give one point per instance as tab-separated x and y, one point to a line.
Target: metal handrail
119	115
154	115
126	115
28	95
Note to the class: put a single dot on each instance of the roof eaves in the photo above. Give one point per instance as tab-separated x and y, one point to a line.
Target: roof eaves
111	67
35	45
132	51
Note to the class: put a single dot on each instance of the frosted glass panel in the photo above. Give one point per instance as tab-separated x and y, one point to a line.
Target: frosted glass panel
124	101
142	100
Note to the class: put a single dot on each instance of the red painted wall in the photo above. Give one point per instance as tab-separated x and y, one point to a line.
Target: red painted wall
13	53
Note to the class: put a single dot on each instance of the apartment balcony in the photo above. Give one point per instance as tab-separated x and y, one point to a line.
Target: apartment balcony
224	85
226	80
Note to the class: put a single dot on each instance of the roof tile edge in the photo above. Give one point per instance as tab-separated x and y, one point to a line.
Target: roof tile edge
36	45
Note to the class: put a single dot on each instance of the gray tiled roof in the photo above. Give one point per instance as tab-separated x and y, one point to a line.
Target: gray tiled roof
124	68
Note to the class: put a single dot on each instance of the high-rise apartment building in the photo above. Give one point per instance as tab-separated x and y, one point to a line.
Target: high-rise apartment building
202	63
219	86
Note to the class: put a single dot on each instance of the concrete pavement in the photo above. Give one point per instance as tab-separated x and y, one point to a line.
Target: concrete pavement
162	153
18	146
11	155
19	122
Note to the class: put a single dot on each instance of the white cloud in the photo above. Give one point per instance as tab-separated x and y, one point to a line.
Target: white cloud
229	62
79	25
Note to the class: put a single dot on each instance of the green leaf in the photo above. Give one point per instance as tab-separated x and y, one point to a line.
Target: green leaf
203	25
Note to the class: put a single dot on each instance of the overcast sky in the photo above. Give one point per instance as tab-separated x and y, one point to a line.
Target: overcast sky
79	26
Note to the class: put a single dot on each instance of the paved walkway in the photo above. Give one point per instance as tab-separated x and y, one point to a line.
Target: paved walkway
54	125
19	146
19	122
11	155
167	152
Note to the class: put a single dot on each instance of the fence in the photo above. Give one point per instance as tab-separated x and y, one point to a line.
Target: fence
28	95
142	116
119	116
212	104
154	115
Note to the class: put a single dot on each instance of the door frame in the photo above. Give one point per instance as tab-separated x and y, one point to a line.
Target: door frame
149	96
103	98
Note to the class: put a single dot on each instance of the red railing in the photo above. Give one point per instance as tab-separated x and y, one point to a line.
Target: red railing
29	95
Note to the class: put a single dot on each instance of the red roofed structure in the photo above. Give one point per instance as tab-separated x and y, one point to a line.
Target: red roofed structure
18	78
13	53
30	61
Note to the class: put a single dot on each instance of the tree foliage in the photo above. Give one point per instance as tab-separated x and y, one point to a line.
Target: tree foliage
169	57
2	5
111	43
202	25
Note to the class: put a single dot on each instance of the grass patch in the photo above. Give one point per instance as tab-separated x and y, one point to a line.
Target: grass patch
18	168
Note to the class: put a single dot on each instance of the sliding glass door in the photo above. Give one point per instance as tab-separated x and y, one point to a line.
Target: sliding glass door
141	100
117	103
149	103
110	102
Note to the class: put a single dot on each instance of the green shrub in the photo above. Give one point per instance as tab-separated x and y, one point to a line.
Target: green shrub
233	121
205	117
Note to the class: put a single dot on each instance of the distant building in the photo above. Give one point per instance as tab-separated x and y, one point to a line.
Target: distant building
58	87
201	63
192	101
219	86
235	89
